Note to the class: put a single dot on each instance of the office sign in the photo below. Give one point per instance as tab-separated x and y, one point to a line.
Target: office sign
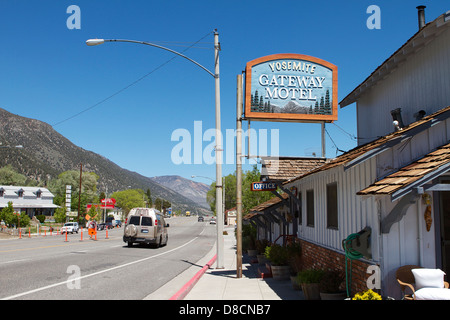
291	87
263	186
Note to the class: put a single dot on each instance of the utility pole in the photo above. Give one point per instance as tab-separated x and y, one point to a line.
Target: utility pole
79	194
219	154
239	108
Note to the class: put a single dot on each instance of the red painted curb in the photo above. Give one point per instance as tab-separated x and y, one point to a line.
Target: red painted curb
191	283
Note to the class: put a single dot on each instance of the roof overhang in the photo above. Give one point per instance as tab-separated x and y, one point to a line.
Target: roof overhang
411	47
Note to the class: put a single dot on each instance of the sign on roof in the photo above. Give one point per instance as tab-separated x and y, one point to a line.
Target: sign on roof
291	87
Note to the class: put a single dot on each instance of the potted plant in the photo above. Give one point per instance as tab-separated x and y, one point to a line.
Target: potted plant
261	248
330	286
309	280
295	262
278	257
367	295
249	239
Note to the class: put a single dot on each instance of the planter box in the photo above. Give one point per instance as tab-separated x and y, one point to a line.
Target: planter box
281	272
252	253
295	284
311	291
261	259
333	296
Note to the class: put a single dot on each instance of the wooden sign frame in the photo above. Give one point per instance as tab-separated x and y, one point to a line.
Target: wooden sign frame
292	69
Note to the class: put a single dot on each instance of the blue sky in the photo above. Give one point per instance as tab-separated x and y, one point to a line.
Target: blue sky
90	94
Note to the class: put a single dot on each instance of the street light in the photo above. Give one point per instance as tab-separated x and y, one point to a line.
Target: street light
219	150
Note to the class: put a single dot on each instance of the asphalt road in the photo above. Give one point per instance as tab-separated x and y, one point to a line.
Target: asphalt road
50	268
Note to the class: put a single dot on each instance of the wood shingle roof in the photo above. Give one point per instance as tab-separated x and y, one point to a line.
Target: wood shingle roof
410	173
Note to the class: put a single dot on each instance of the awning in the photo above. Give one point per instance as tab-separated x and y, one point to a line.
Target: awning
415	175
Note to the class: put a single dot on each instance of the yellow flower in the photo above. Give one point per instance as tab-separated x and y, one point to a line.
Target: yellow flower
367	295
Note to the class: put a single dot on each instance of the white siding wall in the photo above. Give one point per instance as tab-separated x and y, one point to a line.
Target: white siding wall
412	149
354	212
422	82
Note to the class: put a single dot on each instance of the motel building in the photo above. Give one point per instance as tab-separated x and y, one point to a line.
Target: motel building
392	190
31	200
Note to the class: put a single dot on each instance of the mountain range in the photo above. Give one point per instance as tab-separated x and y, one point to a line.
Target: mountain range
46	154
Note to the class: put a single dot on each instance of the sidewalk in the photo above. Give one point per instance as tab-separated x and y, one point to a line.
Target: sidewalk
222	284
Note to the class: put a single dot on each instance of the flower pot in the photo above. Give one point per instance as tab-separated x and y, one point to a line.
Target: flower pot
333	296
311	291
261	259
281	272
295	284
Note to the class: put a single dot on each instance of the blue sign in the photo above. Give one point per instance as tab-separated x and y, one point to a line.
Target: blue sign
263	186
291	87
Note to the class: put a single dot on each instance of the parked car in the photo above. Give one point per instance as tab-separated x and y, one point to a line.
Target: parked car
212	221
146	226
101	226
70	227
201	219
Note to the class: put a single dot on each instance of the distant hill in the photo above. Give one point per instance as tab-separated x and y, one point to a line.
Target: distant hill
46	153
196	191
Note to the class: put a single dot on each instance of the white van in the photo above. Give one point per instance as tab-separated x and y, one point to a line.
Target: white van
146	226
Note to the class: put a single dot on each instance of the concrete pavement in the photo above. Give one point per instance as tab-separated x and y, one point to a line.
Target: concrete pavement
203	281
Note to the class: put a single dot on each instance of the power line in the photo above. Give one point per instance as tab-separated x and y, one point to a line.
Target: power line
335	145
130	85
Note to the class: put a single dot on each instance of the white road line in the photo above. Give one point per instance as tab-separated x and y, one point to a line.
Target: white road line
95	273
12	261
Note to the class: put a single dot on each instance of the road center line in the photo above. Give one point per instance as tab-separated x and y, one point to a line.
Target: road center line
95	273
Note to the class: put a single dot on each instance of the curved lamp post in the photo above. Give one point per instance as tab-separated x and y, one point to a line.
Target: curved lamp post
219	150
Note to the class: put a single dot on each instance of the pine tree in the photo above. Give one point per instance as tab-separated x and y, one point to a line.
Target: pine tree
327	109
316	108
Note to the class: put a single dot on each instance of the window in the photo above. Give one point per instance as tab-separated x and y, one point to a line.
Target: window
146	221
300	219
20	193
310	208
2	192
332	206
134	220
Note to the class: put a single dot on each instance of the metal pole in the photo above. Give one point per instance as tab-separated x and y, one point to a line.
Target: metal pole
219	212
323	139
79	194
239	177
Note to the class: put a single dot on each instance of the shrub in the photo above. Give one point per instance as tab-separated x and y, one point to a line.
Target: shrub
278	255
331	281
261	245
310	276
41	218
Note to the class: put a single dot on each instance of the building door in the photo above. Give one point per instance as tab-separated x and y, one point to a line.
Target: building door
444	208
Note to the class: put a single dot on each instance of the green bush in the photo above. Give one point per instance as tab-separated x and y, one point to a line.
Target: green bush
278	255
11	218
310	276
249	234
261	245
40	217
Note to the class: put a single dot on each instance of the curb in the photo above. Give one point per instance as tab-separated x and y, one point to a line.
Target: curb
191	283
